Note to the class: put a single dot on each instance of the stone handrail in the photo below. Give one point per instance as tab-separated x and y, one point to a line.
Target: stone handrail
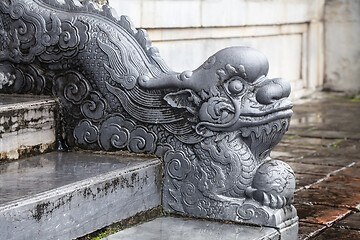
214	127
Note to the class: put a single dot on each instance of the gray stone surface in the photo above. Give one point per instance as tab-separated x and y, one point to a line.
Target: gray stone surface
27	124
170	228
214	127
289	230
24	178
99	190
6	99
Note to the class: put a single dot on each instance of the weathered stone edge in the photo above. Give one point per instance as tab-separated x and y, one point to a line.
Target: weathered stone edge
77	209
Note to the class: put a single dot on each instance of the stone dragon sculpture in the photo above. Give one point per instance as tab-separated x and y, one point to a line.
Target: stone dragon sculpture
214	127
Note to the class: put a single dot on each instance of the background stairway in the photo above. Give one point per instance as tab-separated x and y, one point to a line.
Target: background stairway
64	195
27	125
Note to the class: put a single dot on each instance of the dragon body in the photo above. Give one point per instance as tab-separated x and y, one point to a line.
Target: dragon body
214	127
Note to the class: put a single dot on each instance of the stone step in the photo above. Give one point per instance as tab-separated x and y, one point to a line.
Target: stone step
27	125
68	195
173	228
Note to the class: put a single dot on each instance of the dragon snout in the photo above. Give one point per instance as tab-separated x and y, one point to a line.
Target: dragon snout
273	90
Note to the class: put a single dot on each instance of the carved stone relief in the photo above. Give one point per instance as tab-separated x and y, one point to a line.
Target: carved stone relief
214	127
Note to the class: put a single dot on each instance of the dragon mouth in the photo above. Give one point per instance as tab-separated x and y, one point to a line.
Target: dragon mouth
249	121
261	139
279	110
262	131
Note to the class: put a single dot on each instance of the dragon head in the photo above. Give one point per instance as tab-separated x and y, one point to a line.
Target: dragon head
231	93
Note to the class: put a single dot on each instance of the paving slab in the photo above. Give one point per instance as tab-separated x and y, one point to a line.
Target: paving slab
350	172
334	114
338	234
339	191
330	134
307	230
320	214
171	228
68	195
294	147
303	180
350	144
326	161
312	168
290	153
306	142
338	153
350	222
323	147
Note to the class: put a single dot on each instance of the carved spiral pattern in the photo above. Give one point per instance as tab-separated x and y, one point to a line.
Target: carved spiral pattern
46	39
94	108
69	37
85	132
177	164
217	110
22	29
118	138
249	211
129	82
115	133
142	140
190	194
17	11
113	136
71	87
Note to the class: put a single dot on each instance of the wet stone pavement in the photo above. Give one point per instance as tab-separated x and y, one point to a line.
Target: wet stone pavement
323	148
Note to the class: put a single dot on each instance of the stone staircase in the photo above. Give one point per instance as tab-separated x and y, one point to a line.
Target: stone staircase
49	194
27	125
172	228
212	128
64	195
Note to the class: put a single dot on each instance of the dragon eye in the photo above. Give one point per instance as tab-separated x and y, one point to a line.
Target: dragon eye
235	86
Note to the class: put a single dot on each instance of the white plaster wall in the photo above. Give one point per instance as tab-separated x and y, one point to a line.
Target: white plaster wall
205	13
187	32
342	44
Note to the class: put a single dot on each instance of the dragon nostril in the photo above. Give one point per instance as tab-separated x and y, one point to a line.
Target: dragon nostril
269	93
275	90
285	85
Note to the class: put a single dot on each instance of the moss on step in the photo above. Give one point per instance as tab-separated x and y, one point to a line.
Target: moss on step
139	218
